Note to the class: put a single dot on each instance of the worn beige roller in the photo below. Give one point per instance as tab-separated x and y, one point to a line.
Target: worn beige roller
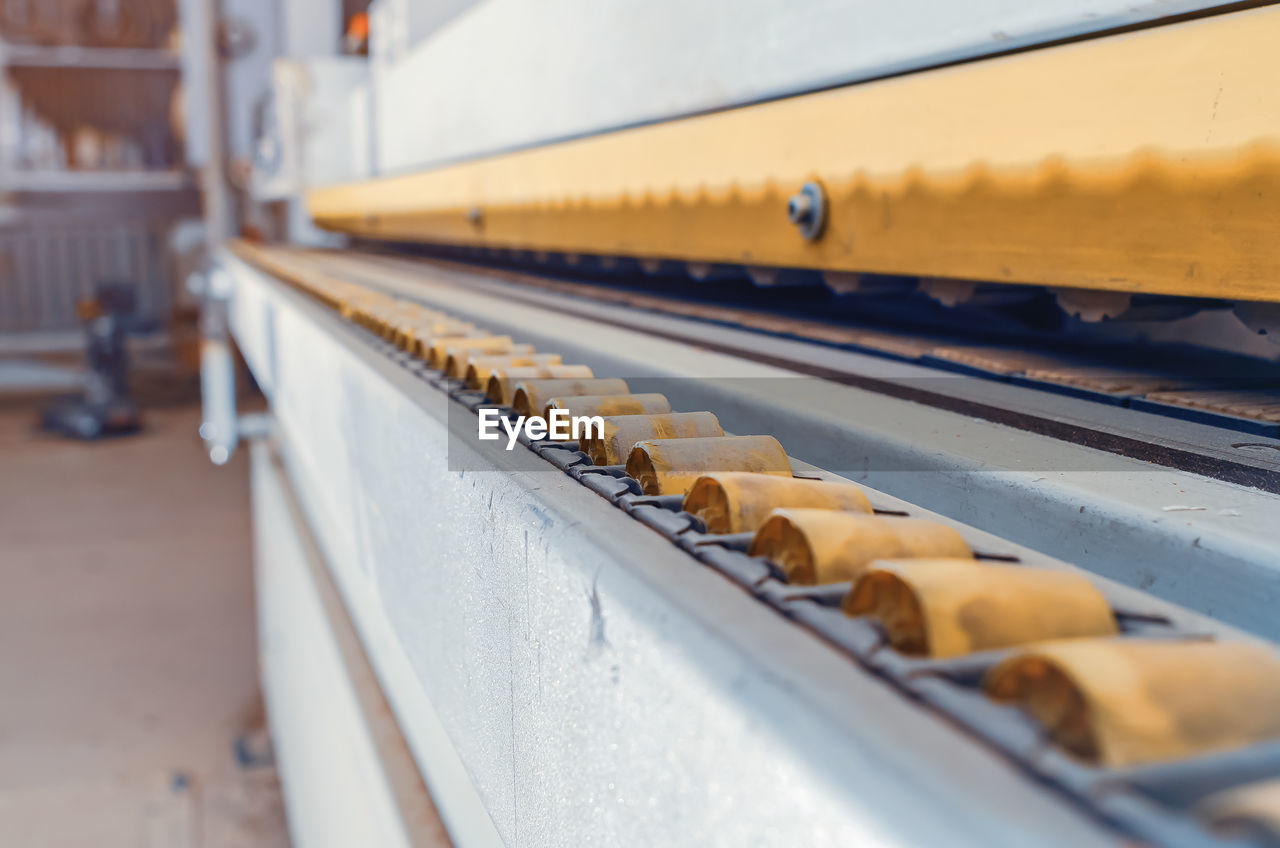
456	360
953	607
489	344
622	432
504	381
382	317
419	339
409	335
739	502
363	305
671	466
814	546
481	368
1128	701
530	396
387	317
402	316
359	307
606	405
369	306
410	328
1244	812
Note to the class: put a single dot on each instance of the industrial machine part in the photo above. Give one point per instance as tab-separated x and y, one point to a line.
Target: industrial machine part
900	531
966	172
950	616
106	406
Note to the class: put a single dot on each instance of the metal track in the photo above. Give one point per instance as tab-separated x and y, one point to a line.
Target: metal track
1165	531
1137	802
1231	394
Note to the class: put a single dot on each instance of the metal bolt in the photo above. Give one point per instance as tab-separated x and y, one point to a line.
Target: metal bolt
800	209
807	210
475	216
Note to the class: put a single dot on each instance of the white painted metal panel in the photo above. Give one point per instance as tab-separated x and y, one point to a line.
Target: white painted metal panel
512	73
335	793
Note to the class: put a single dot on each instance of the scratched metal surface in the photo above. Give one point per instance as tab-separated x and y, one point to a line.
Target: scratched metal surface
596	686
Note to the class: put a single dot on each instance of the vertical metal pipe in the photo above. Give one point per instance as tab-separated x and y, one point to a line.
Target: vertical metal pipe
206	150
218	426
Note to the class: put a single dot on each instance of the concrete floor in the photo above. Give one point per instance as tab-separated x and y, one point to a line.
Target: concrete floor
127	644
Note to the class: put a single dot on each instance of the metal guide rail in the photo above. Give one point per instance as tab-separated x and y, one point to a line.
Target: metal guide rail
1161	723
1158	181
1230	392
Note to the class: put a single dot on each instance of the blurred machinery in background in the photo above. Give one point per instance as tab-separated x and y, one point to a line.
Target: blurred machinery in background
1008	267
92	171
107	406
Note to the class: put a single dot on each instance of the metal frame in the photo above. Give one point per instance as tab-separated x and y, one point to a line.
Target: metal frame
1140	162
594	683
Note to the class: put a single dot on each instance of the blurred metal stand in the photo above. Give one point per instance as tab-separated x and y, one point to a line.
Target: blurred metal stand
206	152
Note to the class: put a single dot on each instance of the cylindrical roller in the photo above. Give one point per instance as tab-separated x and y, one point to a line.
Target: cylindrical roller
622	432
1128	701
670	466
952	607
738	502
504	381
456	360
481	368
407	336
407	332
362	311
1248	813
420	344
530	396
488	344
642	404
814	546
363	304
389	317
420	339
411	315
357	309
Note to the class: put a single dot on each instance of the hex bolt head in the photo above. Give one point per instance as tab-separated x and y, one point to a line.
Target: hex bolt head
807	209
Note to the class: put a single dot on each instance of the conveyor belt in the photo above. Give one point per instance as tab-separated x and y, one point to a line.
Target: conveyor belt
1230	393
1154	712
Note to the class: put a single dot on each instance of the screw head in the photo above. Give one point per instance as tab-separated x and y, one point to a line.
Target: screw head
799	208
807	209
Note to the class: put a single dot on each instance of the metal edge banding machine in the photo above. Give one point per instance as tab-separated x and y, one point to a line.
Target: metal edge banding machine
574	727
398	533
568	659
